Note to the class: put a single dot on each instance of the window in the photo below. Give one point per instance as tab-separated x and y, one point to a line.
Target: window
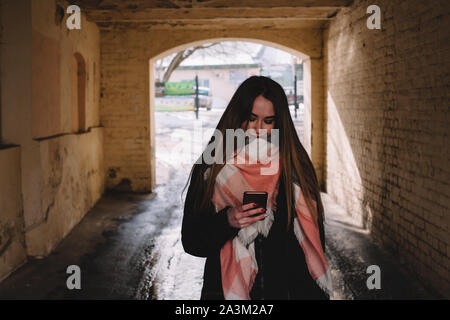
78	93
203	83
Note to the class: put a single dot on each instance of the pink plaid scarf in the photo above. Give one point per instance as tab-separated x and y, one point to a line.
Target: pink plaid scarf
237	256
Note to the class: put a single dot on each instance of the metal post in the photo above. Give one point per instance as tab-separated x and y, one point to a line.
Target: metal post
196	97
295	94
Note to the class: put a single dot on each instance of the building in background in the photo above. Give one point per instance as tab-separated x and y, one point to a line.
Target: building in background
223	73
222	80
282	67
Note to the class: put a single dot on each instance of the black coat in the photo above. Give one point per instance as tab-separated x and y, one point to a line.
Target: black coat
283	273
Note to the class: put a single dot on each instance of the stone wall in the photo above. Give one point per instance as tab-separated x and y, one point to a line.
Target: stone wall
62	173
387	156
12	240
72	182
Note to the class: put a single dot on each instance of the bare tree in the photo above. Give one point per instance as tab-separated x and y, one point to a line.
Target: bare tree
180	57
216	49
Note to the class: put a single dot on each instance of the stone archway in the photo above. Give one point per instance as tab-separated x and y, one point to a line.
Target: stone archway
306	139
127	73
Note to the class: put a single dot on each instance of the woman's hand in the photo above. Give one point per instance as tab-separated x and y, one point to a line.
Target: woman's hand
238	217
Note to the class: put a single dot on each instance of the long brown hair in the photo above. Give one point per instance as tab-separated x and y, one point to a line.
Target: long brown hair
295	164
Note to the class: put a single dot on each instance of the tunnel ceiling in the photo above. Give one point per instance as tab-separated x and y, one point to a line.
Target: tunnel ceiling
200	13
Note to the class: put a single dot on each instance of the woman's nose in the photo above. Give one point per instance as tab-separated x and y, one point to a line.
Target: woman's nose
259	126
260	131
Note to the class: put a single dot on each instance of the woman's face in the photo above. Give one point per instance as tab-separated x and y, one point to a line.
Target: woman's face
262	116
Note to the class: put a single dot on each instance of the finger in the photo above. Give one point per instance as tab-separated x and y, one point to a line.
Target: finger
240	215
243	221
249	221
243	214
257	218
248	206
245	217
237	214
255	211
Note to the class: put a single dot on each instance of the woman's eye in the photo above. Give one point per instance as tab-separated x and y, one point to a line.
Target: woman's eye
251	120
268	121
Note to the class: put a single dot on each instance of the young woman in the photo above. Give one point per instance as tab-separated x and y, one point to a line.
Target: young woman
275	252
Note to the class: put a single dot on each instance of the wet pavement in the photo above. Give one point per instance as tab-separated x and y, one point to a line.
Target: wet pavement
129	247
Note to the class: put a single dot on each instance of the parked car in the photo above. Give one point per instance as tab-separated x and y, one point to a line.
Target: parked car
290	96
204	98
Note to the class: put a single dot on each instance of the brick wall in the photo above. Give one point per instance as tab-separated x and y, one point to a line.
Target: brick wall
387	117
124	111
125	96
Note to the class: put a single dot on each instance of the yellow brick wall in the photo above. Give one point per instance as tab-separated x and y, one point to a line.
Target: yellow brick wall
387	118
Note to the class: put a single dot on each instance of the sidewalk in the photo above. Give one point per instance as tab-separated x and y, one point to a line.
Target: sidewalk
350	252
128	247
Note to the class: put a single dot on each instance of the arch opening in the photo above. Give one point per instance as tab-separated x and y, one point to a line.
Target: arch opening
305	130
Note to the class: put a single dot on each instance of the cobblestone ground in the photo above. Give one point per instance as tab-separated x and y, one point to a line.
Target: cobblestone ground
128	246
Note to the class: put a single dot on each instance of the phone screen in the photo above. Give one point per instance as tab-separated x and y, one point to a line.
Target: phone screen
259	197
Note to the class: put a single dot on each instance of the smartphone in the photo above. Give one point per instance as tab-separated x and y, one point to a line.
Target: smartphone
259	197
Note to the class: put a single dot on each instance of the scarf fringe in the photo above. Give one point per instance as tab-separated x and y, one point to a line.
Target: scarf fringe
326	284
247	235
